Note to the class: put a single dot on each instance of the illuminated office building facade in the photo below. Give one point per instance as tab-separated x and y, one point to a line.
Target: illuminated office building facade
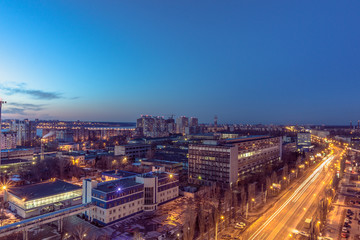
223	162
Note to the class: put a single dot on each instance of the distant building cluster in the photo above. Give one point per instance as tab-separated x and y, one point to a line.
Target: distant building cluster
154	127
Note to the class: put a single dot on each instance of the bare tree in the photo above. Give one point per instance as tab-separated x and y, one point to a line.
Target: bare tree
190	221
201	219
80	232
274	177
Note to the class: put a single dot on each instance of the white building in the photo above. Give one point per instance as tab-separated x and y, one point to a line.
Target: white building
36	199
119	199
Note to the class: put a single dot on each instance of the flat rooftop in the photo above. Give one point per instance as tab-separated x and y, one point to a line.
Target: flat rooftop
17	149
155	174
112	186
247	138
13	161
41	190
159	161
119	173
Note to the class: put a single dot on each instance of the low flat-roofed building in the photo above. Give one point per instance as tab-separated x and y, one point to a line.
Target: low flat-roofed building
36	199
170	166
69	147
13	165
132	150
75	158
23	153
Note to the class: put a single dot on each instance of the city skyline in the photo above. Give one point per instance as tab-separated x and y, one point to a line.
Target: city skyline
246	62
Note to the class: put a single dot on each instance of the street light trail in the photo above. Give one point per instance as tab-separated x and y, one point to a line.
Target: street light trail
312	177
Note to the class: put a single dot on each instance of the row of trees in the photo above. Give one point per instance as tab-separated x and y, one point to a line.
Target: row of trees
51	167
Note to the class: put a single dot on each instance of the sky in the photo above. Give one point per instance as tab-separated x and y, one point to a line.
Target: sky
280	62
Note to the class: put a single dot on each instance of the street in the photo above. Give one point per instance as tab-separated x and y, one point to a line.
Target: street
293	208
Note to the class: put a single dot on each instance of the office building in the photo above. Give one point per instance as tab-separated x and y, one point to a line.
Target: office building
132	151
118	199
223	162
303	141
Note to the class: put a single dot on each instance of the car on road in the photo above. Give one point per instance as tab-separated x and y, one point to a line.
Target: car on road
344	235
241	224
303	234
226	236
347	220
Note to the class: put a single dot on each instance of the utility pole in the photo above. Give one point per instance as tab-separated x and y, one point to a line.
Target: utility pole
247	210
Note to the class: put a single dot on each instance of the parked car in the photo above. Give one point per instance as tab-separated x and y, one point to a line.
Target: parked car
241	224
344	235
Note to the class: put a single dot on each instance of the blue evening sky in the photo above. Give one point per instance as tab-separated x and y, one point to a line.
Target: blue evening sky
246	61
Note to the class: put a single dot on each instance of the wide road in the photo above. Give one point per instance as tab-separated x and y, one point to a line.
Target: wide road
293	207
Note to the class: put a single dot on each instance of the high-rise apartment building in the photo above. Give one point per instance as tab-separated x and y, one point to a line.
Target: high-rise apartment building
25	131
8	140
181	124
